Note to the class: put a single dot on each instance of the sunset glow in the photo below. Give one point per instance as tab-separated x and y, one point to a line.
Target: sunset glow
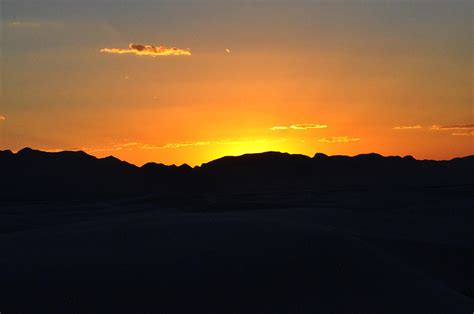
339	78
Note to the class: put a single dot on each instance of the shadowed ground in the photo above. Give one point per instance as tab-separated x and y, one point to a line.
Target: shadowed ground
263	233
334	256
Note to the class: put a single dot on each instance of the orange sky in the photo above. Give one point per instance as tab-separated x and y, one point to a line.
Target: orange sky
208	79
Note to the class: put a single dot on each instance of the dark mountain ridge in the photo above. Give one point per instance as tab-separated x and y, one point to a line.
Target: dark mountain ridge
37	175
260	233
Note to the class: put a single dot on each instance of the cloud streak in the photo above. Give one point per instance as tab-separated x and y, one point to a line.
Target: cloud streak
205	143
458	130
144	146
338	139
29	24
407	127
148	50
466	133
2	118
301	126
453	127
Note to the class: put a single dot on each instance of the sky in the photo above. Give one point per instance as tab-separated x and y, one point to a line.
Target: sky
188	81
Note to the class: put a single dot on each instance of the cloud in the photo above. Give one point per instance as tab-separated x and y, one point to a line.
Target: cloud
144	146
465	133
308	126
149	50
31	24
301	126
453	127
205	143
227	50
460	129
338	139
2	118
407	127
127	144
174	145
23	24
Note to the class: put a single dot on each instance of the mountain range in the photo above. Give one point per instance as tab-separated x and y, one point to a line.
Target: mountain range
37	175
257	233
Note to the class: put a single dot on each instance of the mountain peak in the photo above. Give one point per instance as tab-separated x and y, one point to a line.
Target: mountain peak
320	156
27	150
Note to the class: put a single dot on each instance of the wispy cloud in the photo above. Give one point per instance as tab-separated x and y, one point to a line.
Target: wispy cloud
147	146
18	24
148	50
459	129
174	145
453	127
308	126
301	126
407	127
465	133
23	24
205	143
2	118
338	139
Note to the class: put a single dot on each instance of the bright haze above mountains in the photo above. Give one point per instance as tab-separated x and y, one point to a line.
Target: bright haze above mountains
190	81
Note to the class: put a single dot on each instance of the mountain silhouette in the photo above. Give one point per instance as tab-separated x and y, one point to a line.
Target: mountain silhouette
258	233
33	174
36	175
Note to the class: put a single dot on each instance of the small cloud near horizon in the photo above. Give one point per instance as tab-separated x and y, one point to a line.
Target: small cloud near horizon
466	133
338	139
460	129
148	50
438	127
407	127
300	126
2	118
145	146
205	143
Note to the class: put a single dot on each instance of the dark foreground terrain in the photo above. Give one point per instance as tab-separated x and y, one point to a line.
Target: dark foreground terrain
380	236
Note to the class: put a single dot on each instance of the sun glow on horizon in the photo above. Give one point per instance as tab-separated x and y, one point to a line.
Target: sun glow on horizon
338	77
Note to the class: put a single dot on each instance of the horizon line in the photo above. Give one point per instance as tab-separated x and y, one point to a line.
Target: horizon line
225	156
